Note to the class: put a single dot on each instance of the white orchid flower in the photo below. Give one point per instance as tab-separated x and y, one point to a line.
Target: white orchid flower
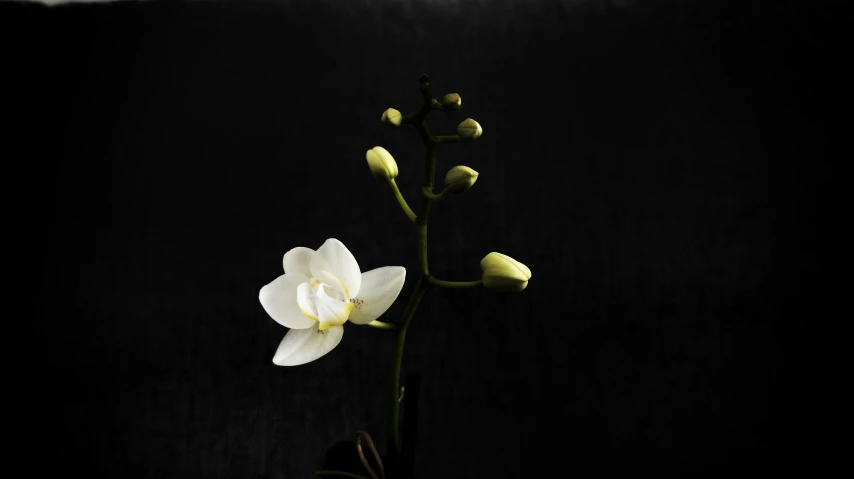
319	292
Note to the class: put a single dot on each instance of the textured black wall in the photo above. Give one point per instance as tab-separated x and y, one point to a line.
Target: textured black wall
658	165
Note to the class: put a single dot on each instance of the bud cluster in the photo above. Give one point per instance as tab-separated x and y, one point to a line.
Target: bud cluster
499	272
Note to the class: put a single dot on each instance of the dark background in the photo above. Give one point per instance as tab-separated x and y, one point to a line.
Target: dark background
664	168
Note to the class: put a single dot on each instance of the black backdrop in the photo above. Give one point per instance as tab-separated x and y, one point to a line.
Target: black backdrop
660	166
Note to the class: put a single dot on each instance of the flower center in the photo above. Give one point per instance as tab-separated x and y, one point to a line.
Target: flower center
325	299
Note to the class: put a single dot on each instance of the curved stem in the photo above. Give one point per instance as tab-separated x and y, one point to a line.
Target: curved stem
401	200
454	284
418	120
433	196
396	363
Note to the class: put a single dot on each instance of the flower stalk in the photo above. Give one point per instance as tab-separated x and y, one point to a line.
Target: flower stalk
396	365
454	284
403	204
428	193
432	145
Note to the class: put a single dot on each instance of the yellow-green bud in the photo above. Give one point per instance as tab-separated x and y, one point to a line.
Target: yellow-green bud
452	101
503	273
460	178
469	130
392	118
382	164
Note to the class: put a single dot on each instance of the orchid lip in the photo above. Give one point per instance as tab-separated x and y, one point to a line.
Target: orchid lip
325	298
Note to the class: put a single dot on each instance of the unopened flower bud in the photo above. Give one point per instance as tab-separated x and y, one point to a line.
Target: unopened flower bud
382	164
469	130
504	274
460	178
392	118
452	101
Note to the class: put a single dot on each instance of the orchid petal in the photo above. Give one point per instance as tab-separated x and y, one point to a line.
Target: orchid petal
334	257
380	288
279	299
300	346
297	260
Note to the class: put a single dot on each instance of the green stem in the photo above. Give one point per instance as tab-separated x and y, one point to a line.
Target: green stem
396	363
401	200
433	196
454	284
408	118
419	121
421	222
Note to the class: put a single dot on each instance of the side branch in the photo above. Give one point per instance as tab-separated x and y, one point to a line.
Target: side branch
397	194
428	193
454	284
